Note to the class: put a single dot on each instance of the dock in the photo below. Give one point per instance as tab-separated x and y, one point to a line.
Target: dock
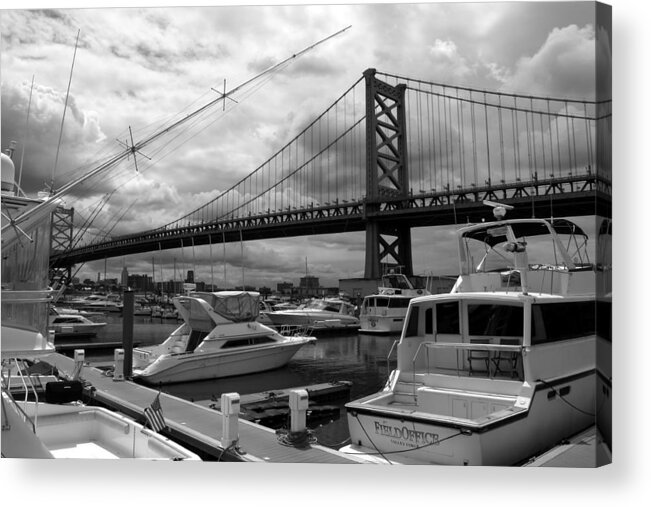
198	427
271	408
581	451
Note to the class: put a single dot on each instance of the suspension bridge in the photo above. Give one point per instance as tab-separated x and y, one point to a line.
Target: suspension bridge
393	153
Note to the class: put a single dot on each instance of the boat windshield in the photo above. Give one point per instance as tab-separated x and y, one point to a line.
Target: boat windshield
325	306
235	306
490	248
396	281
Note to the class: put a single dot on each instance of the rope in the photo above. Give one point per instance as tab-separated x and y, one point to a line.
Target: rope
561	397
297	439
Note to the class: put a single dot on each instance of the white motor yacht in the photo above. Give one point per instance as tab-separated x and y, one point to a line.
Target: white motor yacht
101	303
219	338
385	312
319	315
501	368
54	427
72	324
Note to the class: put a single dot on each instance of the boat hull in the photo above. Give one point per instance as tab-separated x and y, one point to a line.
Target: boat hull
502	438
313	320
193	366
77	330
377	324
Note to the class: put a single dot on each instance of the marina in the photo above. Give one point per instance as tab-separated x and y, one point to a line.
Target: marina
408	272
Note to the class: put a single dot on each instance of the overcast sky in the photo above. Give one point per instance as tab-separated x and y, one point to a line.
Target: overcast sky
135	66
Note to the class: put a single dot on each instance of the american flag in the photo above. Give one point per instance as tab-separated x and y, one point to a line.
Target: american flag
154	415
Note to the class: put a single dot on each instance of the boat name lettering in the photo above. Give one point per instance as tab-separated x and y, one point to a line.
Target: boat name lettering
408	434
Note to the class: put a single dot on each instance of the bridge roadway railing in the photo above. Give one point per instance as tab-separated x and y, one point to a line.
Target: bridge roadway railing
572	195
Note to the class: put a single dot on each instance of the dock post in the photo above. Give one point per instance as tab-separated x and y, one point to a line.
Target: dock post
127	331
230	405
118	370
298	405
80	356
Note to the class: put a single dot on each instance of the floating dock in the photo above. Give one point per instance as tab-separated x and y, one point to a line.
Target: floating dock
271	408
585	450
198	427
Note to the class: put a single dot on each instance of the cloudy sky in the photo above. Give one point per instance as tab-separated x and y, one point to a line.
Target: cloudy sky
137	66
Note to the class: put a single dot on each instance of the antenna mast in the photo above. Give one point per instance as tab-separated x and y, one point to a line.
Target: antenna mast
63	118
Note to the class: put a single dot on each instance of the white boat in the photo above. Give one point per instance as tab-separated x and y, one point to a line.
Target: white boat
45	430
500	369
319	315
40	429
385	312
100	303
263	317
71	324
219	338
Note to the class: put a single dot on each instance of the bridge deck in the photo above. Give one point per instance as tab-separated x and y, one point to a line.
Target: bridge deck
194	425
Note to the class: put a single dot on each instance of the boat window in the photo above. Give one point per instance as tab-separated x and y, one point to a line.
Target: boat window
398	302
495	320
604	319
429	321
381	302
412	324
447	318
246	342
562	321
397	281
65	320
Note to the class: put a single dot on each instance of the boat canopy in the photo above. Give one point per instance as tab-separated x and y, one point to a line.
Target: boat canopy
232	305
495	233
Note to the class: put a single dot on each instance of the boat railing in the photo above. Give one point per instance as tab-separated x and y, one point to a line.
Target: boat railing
296	330
393	347
28	386
494	360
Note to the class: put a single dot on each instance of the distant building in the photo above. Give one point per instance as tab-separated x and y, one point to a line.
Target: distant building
190	277
124	279
285	288
171	287
140	283
308	286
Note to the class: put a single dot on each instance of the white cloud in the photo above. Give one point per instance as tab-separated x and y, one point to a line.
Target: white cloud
563	67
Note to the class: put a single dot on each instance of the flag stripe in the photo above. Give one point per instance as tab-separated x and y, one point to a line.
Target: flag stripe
154	415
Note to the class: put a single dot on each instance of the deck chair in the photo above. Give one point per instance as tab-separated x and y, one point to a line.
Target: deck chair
506	361
482	356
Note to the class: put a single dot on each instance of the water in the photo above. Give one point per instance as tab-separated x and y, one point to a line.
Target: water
358	358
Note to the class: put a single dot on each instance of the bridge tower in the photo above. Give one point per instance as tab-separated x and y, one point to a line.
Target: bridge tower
61	241
387	176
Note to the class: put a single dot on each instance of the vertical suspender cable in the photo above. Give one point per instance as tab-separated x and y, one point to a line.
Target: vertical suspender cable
533	139
551	142
569	147
542	139
462	154
499	109
517	137
488	149
451	177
